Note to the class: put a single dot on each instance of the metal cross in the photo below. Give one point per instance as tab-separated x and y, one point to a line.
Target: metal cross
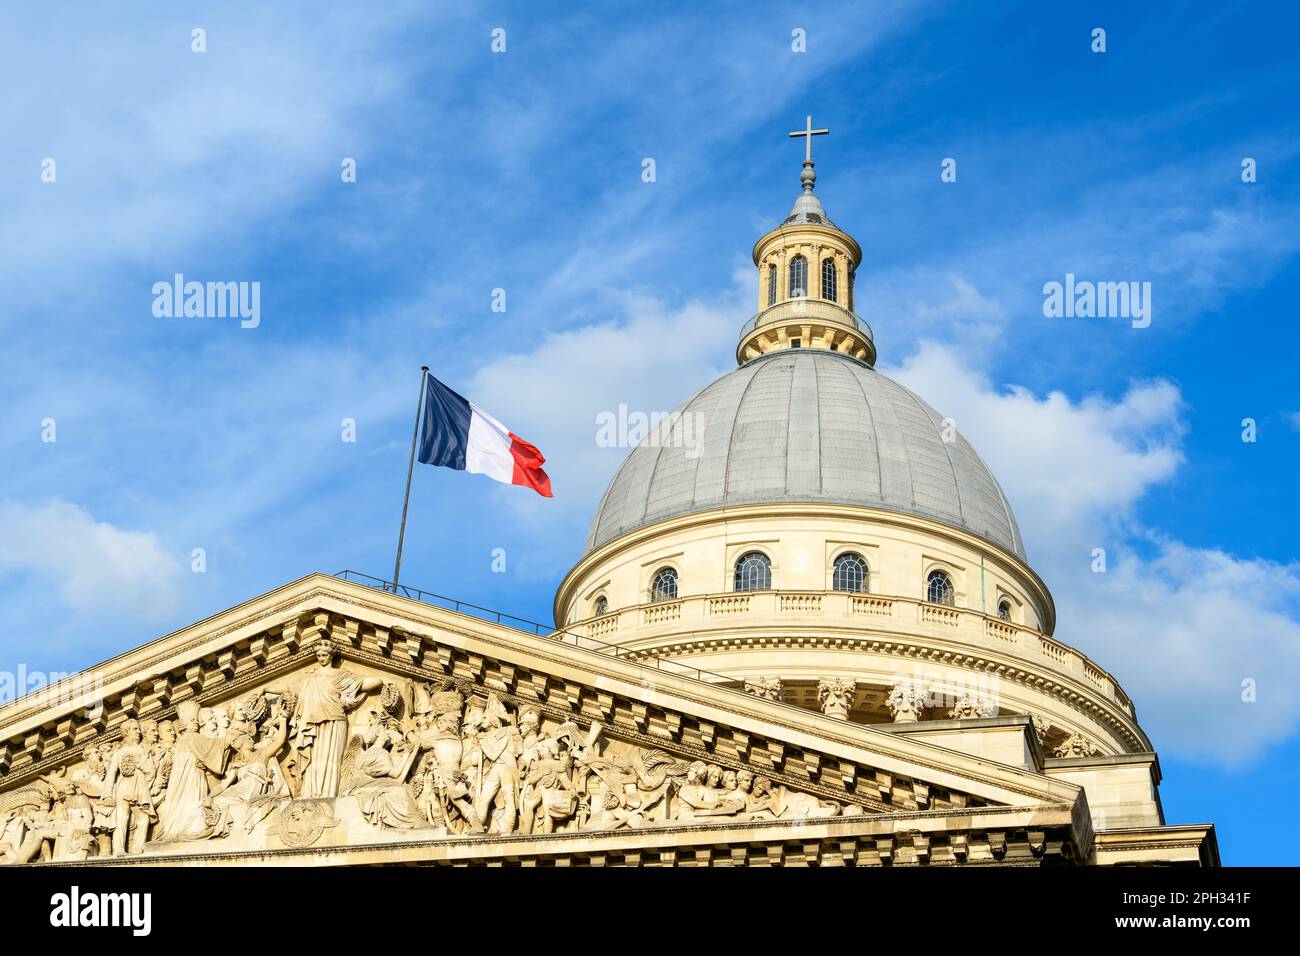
808	133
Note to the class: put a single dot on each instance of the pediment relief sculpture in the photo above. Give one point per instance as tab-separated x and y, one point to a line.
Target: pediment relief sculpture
334	753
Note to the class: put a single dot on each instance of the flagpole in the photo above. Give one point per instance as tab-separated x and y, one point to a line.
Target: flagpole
410	468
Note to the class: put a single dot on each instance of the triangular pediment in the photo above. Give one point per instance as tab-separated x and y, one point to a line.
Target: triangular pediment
386	752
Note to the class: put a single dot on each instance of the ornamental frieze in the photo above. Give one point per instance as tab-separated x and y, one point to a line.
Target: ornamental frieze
336	754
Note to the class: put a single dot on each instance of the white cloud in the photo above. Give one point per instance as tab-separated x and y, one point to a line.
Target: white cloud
1180	627
1065	465
95	567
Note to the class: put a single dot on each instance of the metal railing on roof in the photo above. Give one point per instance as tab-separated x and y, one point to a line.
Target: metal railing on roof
561	634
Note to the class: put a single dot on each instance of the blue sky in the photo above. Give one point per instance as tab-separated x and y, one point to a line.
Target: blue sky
522	171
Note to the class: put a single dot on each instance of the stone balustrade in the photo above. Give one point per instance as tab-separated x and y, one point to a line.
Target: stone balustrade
698	614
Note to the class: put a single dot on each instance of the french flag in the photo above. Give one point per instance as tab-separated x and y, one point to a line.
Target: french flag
458	434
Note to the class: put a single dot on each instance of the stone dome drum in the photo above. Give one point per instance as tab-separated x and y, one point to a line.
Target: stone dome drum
801	426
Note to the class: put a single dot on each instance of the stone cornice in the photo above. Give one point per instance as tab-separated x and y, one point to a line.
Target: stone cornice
988	835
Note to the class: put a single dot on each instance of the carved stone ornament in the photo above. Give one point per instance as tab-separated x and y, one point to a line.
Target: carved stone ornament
302	822
1077	745
905	702
768	688
1042	725
969	707
836	696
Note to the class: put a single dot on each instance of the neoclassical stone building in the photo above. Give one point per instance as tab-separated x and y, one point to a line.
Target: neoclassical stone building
804	631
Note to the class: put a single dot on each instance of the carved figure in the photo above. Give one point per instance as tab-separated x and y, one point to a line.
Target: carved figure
774	802
377	778
186	812
128	785
499	748
320	722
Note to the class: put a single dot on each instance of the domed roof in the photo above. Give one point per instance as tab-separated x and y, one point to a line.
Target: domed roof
808	209
805	425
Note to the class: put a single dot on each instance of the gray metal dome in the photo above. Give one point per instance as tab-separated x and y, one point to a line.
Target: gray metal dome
805	425
808	209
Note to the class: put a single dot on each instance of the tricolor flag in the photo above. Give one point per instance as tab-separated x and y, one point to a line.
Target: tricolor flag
458	434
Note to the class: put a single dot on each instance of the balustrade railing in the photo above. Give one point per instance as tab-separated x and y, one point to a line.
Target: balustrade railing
875	611
902	613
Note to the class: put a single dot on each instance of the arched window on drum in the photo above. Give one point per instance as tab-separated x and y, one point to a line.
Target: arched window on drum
850	573
754	572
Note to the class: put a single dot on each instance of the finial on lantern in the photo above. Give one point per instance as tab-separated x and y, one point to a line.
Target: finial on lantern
808	177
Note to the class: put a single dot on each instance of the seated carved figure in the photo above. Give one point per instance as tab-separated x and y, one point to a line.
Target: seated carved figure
73	817
695	797
90	779
26	825
376	776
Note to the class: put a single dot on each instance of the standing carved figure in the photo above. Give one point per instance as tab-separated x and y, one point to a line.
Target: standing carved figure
186	812
444	793
499	748
320	722
128	784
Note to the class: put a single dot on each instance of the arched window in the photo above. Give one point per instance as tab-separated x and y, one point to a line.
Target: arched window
602	605
663	586
850	573
754	572
771	285
1004	609
798	277
830	281
938	589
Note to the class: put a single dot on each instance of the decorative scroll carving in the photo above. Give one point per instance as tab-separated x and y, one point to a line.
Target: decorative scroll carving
768	688
969	706
905	702
836	696
329	750
1042	725
1077	745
